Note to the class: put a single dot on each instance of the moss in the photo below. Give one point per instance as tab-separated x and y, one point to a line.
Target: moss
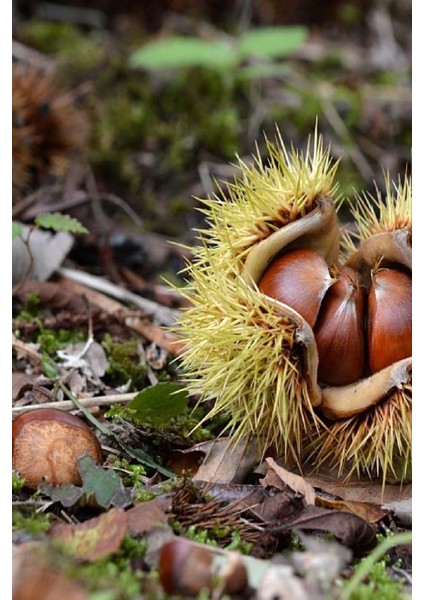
76	51
17	483
380	584
53	340
31	521
125	363
132	476
119	575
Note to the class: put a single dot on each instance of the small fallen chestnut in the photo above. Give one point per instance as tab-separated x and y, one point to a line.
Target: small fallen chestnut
186	568
46	446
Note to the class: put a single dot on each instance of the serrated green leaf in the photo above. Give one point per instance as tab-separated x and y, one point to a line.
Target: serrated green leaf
16	229
67	495
177	52
159	403
60	222
272	42
104	484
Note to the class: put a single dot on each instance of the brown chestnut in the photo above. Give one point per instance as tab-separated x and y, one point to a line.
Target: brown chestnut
389	316
339	331
299	278
187	568
46	446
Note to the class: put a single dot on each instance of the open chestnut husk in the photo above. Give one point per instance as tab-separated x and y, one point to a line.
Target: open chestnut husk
297	370
46	446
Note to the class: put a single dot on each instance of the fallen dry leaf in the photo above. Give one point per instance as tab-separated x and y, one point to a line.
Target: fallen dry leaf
37	254
53	295
95	538
225	461
34	578
277	474
348	528
373	513
402	510
21	382
146	515
357	490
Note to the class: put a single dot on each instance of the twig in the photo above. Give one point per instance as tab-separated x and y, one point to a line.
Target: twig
31	57
68	405
164	315
26	350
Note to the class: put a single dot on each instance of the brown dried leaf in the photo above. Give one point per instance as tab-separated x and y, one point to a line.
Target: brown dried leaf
277	475
21	382
226	461
146	515
53	295
348	528
185	461
95	538
34	578
373	513
357	490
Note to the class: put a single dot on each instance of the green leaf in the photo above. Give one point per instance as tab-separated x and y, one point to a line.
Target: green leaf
48	366
60	222
159	403
16	229
104	484
67	495
272	42
267	70
177	52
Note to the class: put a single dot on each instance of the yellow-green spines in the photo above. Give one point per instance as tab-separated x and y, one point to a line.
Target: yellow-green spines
242	354
386	211
265	197
377	442
241	350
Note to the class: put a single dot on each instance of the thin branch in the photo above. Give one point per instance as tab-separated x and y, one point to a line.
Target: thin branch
164	315
68	405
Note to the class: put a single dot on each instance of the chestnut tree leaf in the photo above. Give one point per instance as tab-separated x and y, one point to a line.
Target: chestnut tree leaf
158	403
104	484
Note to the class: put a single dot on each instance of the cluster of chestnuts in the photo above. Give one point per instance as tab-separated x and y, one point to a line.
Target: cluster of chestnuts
299	330
360	327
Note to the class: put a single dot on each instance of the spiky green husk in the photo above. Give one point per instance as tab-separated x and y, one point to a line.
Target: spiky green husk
381	213
264	198
242	354
376	443
241	350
